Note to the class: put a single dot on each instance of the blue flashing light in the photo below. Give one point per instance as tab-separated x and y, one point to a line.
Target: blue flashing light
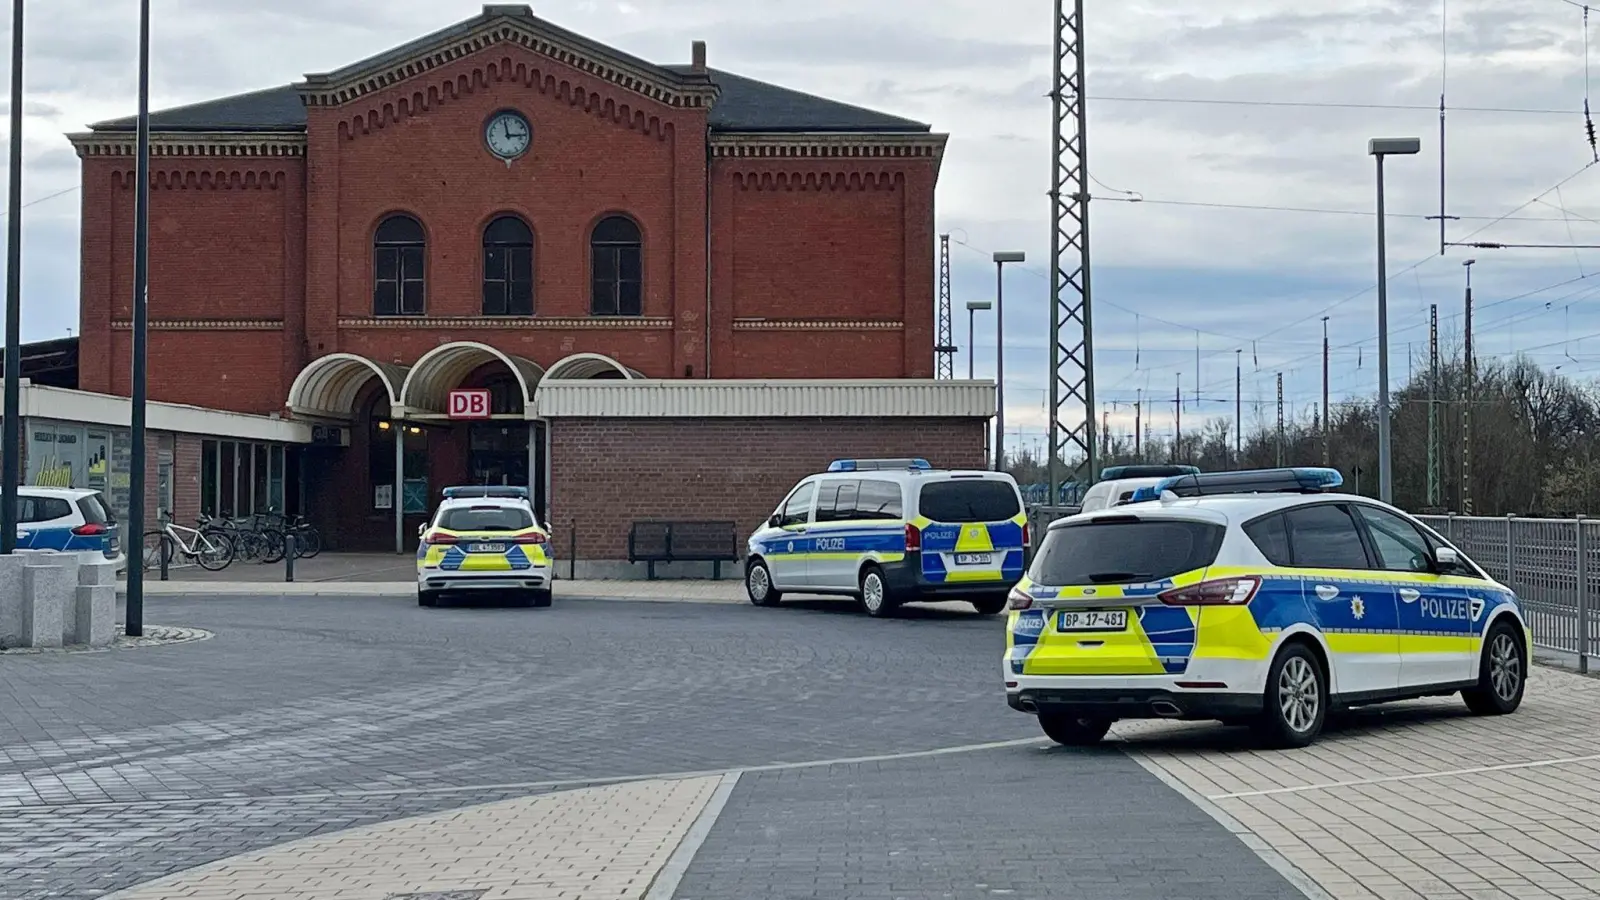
1145	494
867	465
1250	481
503	491
1114	473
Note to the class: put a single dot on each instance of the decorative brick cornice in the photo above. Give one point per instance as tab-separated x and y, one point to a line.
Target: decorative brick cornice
660	85
553	86
510	323
816	325
203	325
829	145
209	145
801	180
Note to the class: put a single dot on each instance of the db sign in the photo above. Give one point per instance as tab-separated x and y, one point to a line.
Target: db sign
469	404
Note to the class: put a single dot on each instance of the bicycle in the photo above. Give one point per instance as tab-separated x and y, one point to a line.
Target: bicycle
307	539
211	551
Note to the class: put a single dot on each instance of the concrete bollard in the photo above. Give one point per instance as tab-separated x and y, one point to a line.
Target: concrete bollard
46	590
11	600
95	619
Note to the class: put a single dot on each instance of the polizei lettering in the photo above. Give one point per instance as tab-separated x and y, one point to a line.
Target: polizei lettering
1449	608
827	544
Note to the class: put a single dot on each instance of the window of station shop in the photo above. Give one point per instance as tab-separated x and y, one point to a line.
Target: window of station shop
508	268
616	251
241	478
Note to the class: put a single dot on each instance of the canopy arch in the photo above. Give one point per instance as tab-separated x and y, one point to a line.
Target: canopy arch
584	366
428	385
330	385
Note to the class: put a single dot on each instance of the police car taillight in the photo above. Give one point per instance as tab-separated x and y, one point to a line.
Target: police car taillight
89	529
1019	599
1027	535
531	539
1221	592
436	538
913	539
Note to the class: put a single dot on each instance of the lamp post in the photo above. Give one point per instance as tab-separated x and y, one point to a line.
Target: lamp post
1000	259
1379	148
11	453
972	308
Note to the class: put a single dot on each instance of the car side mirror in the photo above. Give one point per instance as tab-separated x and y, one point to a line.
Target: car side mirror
422	529
773	520
1446	559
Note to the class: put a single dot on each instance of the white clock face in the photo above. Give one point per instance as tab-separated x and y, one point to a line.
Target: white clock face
508	135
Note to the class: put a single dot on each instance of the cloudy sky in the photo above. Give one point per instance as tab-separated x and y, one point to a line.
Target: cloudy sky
1197	108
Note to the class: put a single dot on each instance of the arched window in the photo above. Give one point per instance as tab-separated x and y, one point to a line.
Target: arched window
616	264
508	268
399	253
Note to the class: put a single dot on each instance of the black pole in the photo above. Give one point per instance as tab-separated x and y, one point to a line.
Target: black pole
11	453
141	252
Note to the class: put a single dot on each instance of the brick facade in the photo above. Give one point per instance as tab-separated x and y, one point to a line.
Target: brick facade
261	256
606	473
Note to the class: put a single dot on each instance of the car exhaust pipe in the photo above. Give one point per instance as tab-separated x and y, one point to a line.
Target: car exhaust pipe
1166	709
1028	706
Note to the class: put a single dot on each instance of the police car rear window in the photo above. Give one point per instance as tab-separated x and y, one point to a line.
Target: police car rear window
94	511
976	500
1124	550
486	518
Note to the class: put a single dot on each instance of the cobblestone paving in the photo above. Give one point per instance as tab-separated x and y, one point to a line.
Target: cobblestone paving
1416	800
603	843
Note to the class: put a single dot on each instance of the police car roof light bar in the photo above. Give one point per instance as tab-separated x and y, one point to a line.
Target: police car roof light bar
1116	473
468	491
869	465
1251	481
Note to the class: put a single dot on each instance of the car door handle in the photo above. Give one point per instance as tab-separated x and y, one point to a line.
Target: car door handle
799	531
1409	595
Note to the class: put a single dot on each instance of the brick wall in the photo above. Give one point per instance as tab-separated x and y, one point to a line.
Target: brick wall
608	472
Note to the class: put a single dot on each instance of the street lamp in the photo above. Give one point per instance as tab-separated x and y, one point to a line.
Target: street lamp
1000	259
972	308
1378	148
10	433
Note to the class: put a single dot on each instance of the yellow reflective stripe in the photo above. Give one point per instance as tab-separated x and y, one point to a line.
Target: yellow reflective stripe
1229	632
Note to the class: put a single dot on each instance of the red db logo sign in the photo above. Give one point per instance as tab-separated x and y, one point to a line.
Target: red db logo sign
469	404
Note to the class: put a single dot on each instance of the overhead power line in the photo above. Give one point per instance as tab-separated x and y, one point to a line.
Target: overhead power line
1319	104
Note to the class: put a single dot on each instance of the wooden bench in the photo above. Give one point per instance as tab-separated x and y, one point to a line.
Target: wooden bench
651	542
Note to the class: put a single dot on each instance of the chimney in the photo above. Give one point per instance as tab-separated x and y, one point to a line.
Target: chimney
697	55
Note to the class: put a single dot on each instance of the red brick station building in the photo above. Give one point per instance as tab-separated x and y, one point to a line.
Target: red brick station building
682	290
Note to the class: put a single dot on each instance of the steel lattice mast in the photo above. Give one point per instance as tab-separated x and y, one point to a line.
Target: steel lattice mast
945	348
1072	425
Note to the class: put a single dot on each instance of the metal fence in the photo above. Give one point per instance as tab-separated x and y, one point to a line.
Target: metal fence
1552	564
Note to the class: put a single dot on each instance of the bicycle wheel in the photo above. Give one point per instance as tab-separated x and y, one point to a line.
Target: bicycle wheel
272	546
216	556
157	546
313	541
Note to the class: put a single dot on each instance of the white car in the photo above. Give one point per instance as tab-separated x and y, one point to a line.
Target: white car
1254	598
484	540
68	520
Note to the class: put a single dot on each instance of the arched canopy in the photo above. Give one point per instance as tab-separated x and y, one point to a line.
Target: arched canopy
330	385
427	387
583	366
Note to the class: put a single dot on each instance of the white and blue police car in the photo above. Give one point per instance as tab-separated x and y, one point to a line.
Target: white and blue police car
892	531
68	520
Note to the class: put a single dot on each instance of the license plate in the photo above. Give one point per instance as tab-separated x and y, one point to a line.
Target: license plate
486	548
974	559
1092	620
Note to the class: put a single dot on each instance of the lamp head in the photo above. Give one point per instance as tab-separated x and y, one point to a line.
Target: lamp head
1394	146
979	305
1010	256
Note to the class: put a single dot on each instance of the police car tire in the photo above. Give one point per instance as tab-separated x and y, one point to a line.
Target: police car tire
1273	729
1502	673
542	599
887	602
989	606
428	599
772	595
1071	730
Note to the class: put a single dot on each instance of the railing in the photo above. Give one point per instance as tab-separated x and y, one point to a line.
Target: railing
1552	564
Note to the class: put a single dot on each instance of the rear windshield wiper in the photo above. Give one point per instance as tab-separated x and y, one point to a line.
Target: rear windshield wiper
1115	577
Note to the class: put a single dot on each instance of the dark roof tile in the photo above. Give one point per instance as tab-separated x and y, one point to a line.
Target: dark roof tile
749	105
274	109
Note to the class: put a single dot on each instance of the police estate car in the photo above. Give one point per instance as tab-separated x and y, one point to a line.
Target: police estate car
888	531
1255	598
484	539
68	520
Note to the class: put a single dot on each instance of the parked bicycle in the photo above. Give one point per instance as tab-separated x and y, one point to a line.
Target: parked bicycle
307	539
173	542
251	541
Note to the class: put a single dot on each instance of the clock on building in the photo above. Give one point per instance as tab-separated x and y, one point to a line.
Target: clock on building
508	135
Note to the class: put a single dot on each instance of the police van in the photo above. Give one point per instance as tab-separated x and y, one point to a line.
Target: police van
892	531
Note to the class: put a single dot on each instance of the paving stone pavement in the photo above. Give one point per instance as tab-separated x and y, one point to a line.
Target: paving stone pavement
601	843
1416	800
1016	823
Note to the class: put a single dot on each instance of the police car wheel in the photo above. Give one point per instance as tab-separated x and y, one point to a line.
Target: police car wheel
874	593
542	599
988	606
1502	673
429	599
758	585
1072	730
1296	699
